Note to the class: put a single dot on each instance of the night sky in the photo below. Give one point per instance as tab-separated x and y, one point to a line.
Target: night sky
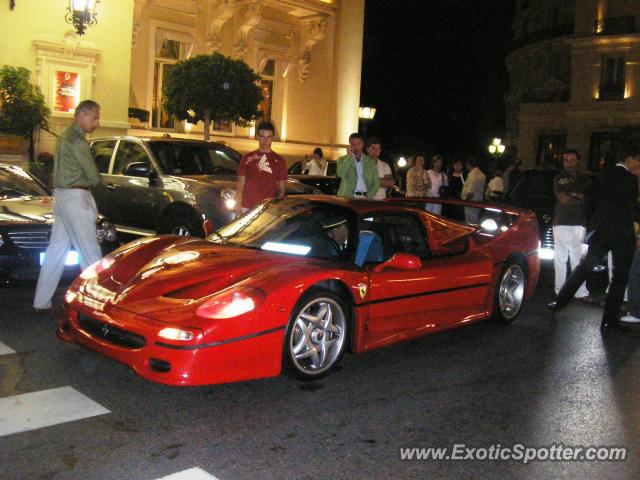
435	70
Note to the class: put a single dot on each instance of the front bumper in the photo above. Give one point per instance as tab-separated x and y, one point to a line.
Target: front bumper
18	266
133	340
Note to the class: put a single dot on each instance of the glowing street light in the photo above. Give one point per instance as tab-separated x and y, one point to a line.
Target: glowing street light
402	162
82	14
496	147
366	115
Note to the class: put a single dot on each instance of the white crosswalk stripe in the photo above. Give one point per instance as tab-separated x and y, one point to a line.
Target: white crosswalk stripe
191	474
30	411
5	350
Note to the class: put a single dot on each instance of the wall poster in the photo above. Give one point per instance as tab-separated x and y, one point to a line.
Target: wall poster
66	91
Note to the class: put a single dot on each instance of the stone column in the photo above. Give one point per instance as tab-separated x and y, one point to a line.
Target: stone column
349	35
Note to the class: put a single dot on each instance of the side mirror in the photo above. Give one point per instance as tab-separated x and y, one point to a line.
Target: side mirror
138	169
400	261
207	227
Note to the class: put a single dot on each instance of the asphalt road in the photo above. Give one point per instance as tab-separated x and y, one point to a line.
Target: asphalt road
538	382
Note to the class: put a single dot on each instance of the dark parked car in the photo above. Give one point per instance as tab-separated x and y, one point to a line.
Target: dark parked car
534	191
25	226
168	185
327	183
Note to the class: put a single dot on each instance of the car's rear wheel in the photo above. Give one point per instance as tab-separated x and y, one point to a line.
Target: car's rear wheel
317	334
509	296
181	221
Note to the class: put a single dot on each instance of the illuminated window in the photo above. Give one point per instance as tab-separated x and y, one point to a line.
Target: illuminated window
550	147
266	83
612	80
168	53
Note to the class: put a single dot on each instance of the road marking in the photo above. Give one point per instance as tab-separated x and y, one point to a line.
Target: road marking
29	411
191	474
4	350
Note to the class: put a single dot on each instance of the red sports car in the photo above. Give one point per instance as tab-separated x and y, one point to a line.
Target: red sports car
294	283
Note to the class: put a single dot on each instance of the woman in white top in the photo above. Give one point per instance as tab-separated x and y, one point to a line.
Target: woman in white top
438	179
418	182
317	164
495	189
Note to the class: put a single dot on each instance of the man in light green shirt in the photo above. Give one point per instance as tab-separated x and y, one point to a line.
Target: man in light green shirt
74	210
358	173
74	166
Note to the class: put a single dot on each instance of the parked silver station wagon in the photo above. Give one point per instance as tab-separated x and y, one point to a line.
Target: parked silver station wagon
168	185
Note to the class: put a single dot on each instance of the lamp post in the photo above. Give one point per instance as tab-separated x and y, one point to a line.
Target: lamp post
366	114
402	164
82	14
496	148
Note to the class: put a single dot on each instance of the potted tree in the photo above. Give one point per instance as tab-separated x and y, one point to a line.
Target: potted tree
23	109
212	88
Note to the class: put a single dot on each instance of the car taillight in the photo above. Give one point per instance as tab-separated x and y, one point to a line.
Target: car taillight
231	303
100	266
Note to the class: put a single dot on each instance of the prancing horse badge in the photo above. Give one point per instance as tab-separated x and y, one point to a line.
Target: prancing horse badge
363	290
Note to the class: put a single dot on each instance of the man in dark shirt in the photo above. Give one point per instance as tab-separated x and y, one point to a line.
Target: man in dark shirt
570	189
615	195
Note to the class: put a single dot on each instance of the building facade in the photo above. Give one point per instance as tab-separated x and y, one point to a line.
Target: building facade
308	54
574	79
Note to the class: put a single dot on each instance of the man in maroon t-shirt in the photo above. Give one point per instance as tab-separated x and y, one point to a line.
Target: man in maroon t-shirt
262	173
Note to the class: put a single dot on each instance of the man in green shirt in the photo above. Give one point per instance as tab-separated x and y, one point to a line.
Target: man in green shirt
74	210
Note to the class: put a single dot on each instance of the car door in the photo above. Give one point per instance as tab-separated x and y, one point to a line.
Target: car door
447	289
102	151
133	199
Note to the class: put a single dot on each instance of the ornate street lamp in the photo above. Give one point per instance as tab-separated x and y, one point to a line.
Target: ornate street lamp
366	114
82	14
401	164
496	148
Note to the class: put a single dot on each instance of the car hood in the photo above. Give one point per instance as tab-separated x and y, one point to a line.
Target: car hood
293	187
26	210
179	273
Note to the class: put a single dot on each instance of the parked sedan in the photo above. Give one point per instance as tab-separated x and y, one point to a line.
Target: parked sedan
168	185
25	226
293	284
327	183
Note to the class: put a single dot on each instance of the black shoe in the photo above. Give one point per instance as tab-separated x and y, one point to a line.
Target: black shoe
554	306
614	326
43	311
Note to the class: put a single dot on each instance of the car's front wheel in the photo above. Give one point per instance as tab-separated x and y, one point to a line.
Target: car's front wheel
316	335
181	221
509	296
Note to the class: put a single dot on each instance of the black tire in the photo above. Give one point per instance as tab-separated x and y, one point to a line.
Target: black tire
181	221
305	341
510	291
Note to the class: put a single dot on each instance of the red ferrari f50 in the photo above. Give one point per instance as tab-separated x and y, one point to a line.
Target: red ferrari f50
296	282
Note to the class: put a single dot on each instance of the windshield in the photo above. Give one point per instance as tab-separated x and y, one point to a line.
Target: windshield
293	226
15	183
185	158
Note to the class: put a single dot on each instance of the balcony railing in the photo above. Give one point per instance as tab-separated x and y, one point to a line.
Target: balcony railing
546	34
615	26
611	92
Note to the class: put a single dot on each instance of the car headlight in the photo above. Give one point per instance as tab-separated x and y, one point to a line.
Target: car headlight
105	230
176	334
231	303
229	198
